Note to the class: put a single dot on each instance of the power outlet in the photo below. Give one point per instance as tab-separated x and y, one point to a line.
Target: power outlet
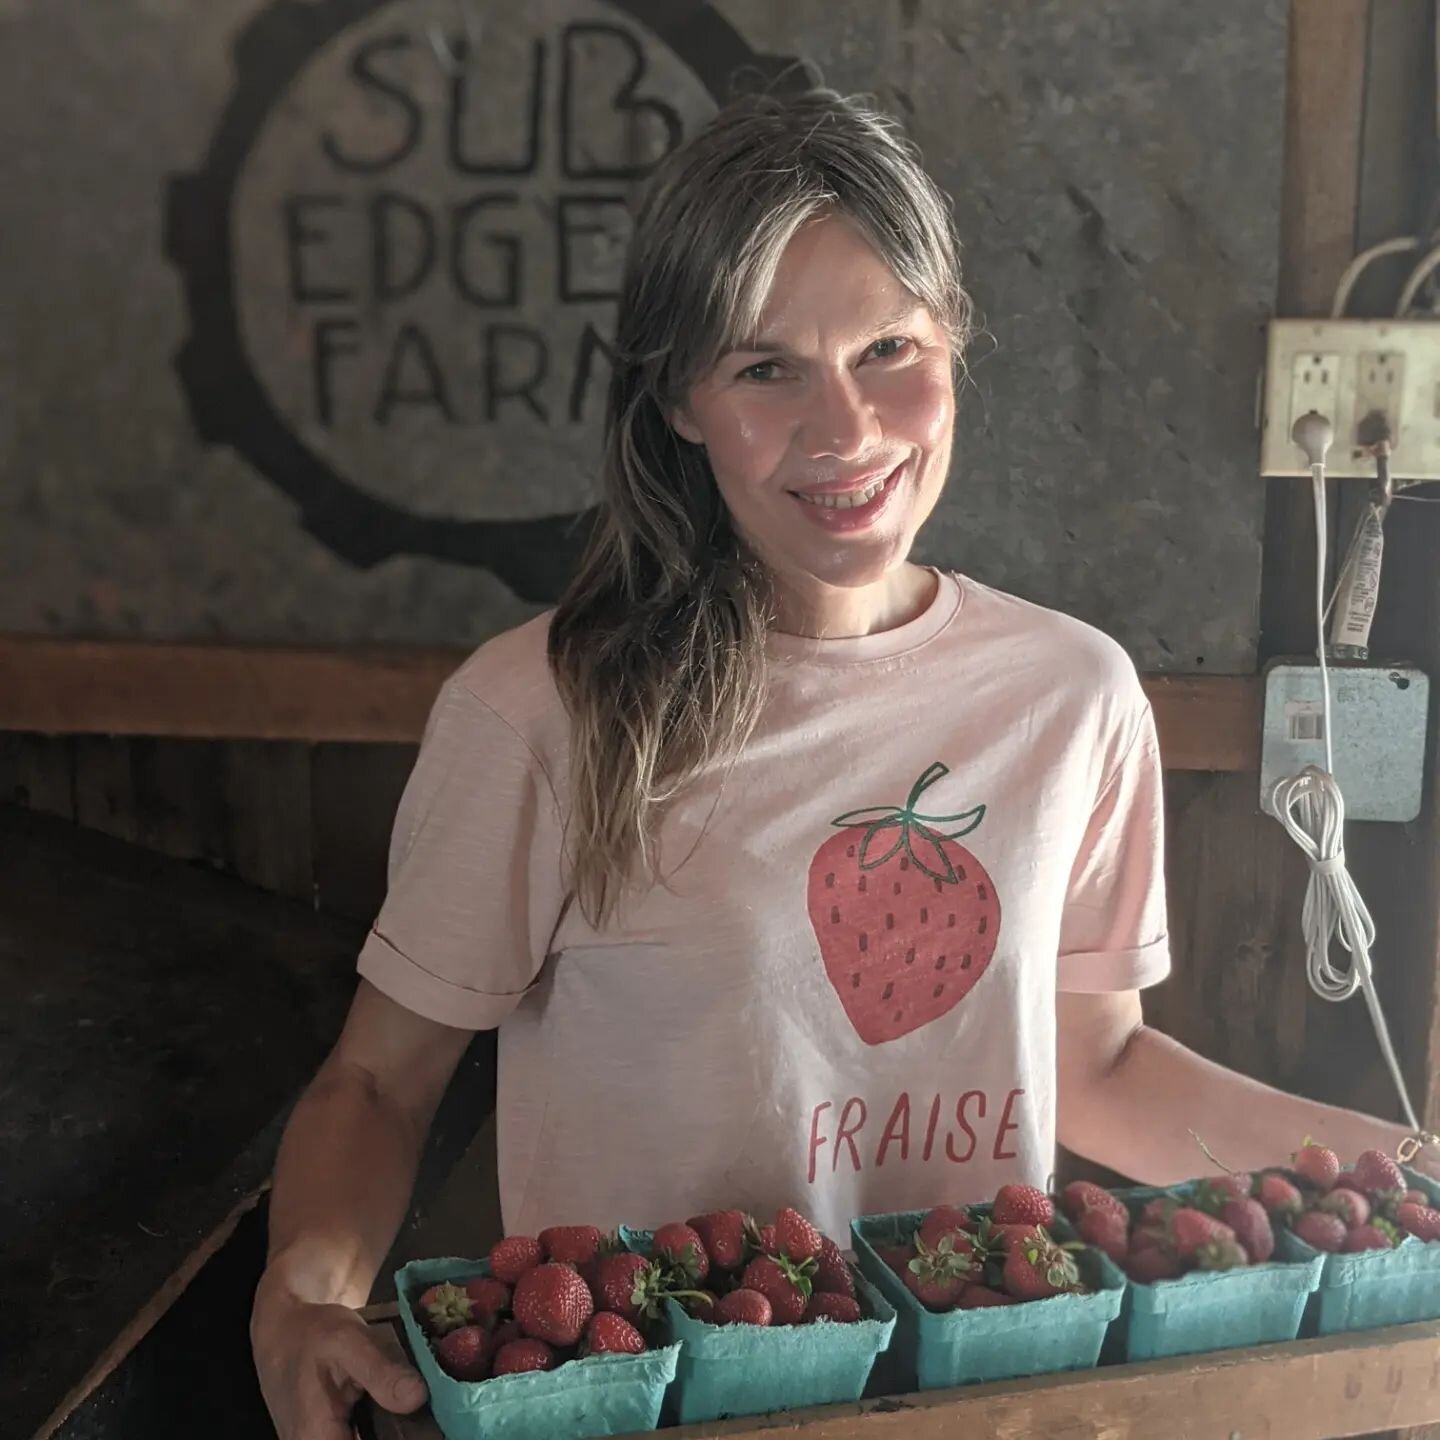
1348	370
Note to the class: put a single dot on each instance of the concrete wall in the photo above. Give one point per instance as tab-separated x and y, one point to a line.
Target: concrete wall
304	303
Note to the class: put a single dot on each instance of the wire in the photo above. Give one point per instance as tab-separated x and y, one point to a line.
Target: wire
1419	499
1312	809
1418	276
1362	262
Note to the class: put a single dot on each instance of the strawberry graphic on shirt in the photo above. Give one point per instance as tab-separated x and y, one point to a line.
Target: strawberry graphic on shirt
907	919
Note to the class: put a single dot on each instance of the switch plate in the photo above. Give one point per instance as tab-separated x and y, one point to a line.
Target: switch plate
1345	369
1381	714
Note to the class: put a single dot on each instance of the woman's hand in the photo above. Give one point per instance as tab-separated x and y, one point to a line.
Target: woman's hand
315	1361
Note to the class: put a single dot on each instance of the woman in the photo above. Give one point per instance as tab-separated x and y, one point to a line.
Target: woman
789	870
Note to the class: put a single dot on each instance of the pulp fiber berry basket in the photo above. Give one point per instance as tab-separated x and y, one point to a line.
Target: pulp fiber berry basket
964	1347
1374	1288
599	1395
731	1370
1216	1309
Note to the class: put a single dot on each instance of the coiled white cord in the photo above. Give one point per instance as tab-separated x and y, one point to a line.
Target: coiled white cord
1312	810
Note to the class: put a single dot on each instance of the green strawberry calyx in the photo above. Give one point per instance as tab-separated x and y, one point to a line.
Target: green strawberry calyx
921	837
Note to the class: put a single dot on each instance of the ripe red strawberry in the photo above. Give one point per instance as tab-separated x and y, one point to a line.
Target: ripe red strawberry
503	1334
745	1307
1022	1205
722	1233
1082	1195
513	1256
464	1354
1378	1173
611	1334
628	1285
1156	1214
1146	1267
1217	1191
1318	1164
1192	1229
1106	1231
1039	1268
1377	1236
552	1303
979	1297
1350	1205
572	1244
1322	1231
1349	1180
897	1257
997	1239
488	1297
906	919
795	1235
826	1306
1247	1218
522	1356
443	1308
832	1275
684	1251
1415	1197
1421	1221
765	1240
782	1283
1279	1196
937	1276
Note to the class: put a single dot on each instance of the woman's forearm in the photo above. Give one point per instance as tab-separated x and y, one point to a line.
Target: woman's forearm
1137	1117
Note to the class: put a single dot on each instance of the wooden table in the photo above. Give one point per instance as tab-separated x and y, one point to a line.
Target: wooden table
1309	1390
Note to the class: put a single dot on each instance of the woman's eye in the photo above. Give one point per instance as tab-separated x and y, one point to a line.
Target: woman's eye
764	370
889	348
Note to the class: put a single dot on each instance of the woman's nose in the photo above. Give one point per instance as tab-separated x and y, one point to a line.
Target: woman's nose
840	421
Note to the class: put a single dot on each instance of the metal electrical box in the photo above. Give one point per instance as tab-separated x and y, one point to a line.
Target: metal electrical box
1381	714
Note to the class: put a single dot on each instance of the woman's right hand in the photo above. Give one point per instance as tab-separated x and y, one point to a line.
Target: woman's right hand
315	1361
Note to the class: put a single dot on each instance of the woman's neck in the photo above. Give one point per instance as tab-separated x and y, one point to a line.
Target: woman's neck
833	612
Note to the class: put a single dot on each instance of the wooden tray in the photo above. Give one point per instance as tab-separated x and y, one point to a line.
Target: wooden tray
1308	1390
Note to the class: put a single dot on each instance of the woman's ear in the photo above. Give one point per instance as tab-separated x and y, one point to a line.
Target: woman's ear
685	427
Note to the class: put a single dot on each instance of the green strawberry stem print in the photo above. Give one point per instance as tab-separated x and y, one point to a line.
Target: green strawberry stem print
906	918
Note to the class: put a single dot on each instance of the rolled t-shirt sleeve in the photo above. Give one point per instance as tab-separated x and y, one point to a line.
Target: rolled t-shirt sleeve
1114	933
475	887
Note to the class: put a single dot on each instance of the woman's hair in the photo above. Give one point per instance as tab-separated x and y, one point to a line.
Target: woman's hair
658	646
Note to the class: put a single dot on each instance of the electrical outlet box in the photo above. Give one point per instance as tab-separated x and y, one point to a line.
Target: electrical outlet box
1381	714
1348	369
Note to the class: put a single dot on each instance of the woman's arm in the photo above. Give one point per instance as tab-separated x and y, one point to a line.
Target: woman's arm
1129	1098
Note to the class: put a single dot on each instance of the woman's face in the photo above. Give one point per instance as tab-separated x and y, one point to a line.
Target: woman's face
829	434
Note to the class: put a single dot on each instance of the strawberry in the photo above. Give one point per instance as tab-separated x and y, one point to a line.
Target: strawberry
897	1257
1279	1196
443	1308
936	1277
611	1334
628	1285
745	1307
1321	1231
945	1220
1106	1231
552	1303
684	1250
1378	1173
826	1306
1022	1205
1217	1191
702	1305
1158	1212
1415	1197
1221	1255
1000	1238
1421	1221
488	1297
464	1354
765	1240
520	1356
1039	1268
906	919
1318	1164
1082	1195
572	1244
978	1297
1147	1266
513	1256
784	1284
1349	1180
1379	1235
1350	1205
795	1235
722	1233
1191	1229
832	1275
1247	1218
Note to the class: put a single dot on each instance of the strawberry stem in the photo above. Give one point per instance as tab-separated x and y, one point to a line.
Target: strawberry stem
930	831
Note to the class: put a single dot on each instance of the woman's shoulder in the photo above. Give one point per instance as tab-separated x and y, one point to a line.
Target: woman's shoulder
509	676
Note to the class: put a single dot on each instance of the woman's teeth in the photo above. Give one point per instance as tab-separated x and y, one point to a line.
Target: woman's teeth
847	501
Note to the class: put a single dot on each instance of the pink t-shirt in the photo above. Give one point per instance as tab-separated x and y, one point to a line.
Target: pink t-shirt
843	997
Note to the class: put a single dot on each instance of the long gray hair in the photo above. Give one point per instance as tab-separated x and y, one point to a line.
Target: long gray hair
658	646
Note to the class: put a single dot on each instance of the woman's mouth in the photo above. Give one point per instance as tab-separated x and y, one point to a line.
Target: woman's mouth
850	509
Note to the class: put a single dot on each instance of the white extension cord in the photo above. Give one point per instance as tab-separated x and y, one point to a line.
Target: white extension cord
1312	810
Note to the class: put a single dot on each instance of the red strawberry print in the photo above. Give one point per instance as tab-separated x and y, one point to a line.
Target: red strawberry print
906	919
